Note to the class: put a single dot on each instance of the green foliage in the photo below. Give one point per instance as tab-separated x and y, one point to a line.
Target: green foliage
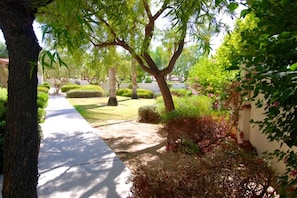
226	171
83	93
42	99
192	106
41	113
68	87
42	89
180	92
266	46
3	50
148	114
209	77
141	93
47	85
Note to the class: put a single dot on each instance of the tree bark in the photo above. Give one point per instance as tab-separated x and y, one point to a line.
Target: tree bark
112	101
167	97
133	79
21	134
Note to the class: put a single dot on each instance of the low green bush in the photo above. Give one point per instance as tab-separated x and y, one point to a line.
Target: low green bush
126	92
192	106
141	93
180	92
42	89
69	87
47	85
91	87
41	113
148	114
77	93
144	93
42	99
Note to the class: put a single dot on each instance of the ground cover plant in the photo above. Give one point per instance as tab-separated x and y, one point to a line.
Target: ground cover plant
96	111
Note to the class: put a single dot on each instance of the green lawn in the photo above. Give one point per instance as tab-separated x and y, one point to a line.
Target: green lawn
95	111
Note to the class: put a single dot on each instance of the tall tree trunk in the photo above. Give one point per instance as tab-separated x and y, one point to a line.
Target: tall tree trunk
167	97
21	134
112	101
133	79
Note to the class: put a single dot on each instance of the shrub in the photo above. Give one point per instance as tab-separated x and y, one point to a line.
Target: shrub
192	106
148	114
141	93
77	93
69	87
124	92
204	131
42	99
180	92
228	171
91	87
41	115
47	85
42	89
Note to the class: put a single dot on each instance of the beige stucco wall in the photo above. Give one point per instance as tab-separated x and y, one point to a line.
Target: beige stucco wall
254	135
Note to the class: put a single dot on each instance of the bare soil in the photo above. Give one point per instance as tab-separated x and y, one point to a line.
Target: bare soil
134	142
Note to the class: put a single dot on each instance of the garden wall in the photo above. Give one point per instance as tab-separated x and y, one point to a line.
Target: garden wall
252	133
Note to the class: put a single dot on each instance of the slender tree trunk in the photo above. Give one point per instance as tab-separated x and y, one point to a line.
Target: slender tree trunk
112	101
133	79
21	134
167	97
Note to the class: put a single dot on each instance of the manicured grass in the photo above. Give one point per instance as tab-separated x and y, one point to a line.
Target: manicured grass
96	112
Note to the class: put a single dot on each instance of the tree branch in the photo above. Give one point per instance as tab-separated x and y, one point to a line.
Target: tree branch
138	58
174	58
149	29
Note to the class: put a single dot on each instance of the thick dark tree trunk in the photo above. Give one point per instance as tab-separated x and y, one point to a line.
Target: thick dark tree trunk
167	97
21	135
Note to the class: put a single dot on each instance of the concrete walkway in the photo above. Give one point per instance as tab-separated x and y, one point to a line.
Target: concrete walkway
74	161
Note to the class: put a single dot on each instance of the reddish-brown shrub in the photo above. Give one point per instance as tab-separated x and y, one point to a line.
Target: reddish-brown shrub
226	171
204	131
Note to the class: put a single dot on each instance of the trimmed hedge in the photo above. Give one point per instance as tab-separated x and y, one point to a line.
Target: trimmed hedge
42	99
77	93
47	85
69	87
42	89
141	93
